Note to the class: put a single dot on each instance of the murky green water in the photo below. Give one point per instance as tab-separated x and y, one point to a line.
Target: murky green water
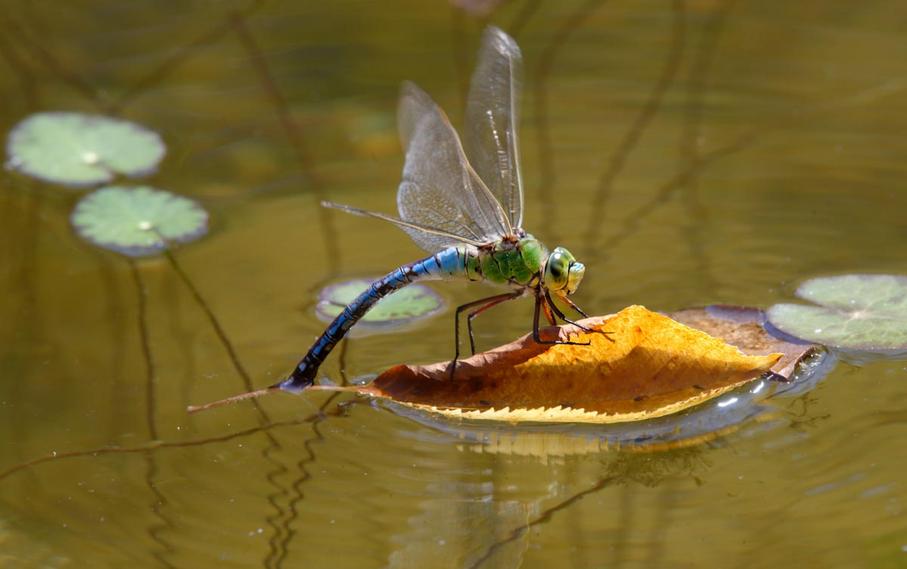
716	151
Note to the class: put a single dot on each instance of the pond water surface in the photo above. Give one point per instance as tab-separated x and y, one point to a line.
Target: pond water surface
688	152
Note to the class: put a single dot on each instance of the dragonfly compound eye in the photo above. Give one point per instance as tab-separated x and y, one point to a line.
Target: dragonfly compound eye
558	270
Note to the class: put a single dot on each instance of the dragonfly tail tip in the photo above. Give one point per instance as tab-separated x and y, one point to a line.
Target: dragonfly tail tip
293	385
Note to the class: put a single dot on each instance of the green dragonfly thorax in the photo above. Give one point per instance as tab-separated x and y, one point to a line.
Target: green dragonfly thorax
527	261
514	262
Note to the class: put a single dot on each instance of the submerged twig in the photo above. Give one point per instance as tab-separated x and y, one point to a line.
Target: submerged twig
266	391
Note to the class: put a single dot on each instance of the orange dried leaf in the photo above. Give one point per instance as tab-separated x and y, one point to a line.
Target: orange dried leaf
648	366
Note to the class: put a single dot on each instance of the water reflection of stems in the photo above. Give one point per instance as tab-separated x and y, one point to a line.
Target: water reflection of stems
280	548
22	269
182	54
145	345
544	517
159	500
36	49
157	508
697	214
156	445
547	176
795	117
631	138
212	319
341	360
27	83
530	7
297	142
43	56
640	467
270	452
283	532
460	53
19	40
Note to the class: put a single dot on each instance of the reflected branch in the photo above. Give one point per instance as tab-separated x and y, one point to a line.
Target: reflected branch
20	68
341	360
530	7
544	517
54	65
794	118
632	221
625	529
145	344
269	453
664	517
23	271
460	53
153	446
281	549
294	135
157	508
159	500
547	176
183	54
215	323
632	137
696	213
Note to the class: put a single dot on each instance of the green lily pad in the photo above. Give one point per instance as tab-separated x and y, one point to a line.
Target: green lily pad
855	312
80	150
138	221
405	306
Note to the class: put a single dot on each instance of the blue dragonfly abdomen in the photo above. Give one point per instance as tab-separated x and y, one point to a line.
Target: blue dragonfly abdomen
462	261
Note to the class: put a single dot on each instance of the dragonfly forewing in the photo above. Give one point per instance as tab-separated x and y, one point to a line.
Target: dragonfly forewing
425	233
490	133
439	188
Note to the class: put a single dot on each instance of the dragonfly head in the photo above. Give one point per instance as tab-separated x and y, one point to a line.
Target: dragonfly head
563	272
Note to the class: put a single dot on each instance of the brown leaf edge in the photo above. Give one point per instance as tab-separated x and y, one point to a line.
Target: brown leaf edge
738	326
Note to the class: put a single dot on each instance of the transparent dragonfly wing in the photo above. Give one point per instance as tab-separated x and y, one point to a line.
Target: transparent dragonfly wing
404	225
490	136
439	188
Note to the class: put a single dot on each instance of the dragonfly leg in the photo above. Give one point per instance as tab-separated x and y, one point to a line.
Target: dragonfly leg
548	314
563	317
492	302
535	327
482	301
575	307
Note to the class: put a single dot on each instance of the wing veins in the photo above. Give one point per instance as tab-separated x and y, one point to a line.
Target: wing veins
492	119
399	222
470	171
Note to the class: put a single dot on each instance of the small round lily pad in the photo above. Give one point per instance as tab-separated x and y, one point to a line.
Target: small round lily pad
138	221
81	150
407	305
855	312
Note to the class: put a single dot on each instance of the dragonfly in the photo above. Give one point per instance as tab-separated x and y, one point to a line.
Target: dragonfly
463	203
